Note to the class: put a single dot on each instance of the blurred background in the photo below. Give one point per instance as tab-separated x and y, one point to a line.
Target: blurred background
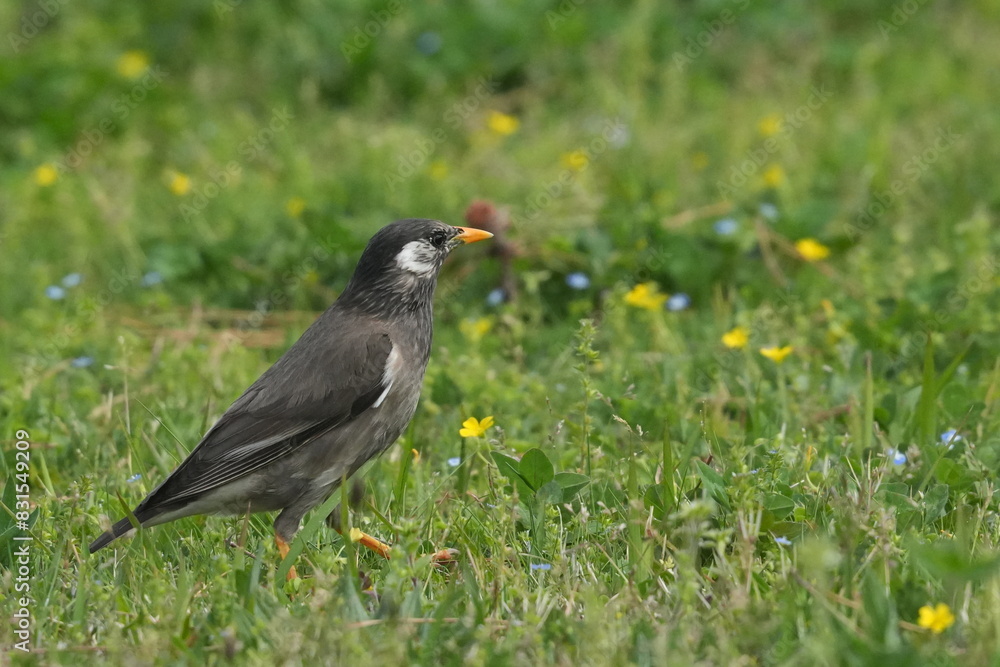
200	152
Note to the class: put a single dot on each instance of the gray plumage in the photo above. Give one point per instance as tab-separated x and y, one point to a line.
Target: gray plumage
338	397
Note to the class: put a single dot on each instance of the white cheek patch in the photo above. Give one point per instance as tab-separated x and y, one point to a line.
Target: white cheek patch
417	257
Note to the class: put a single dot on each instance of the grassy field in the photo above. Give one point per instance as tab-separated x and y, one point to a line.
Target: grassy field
744	379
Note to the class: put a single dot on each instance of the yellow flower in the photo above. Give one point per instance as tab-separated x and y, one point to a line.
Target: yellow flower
179	183
356	534
776	354
473	428
502	124
45	175
812	250
810	455
132	64
736	338
774	176
295	206
577	160
937	619
474	330
416	455
438	170
699	160
646	295
769	125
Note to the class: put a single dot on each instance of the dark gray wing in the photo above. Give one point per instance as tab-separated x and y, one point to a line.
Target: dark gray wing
336	371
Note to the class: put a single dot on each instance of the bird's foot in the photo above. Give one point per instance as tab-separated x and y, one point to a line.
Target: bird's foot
445	556
442	557
373	543
283	549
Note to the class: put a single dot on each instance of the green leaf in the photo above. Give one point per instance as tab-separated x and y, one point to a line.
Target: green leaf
444	391
549	493
935	502
508	467
959	477
536	469
949	560
653	499
880	610
714	484
779	504
572	483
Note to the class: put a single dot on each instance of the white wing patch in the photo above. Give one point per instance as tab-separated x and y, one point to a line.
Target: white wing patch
417	257
381	398
393	363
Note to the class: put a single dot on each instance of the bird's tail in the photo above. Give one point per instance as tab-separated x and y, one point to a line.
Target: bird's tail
109	536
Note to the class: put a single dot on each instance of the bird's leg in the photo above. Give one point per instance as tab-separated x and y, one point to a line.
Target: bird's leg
283	549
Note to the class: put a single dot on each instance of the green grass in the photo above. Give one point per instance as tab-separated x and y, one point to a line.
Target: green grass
647	495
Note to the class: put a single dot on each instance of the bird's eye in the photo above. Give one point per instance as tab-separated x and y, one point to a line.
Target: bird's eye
438	239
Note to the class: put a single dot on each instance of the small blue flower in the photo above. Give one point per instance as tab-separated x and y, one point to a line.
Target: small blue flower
768	210
82	362
578	280
950	436
429	43
541	566
134	478
72	280
151	278
678	301
55	292
454	461
898	458
496	297
726	227
783	541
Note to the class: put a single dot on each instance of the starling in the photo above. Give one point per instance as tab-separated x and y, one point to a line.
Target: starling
339	397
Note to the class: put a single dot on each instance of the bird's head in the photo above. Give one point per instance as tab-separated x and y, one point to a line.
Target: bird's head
404	258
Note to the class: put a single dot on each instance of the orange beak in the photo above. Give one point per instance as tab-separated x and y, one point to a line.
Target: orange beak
471	235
